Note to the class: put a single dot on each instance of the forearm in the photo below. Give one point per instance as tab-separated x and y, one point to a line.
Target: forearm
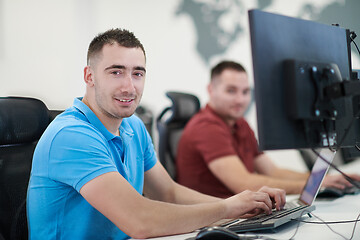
265	166
155	218
167	190
166	218
254	182
141	217
289	174
184	195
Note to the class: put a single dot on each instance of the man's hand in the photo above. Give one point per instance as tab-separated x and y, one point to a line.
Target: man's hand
339	181
277	196
248	203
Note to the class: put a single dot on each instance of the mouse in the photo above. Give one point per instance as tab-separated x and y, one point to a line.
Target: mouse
330	192
216	233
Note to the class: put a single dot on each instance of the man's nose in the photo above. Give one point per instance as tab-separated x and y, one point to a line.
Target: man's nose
241	98
127	84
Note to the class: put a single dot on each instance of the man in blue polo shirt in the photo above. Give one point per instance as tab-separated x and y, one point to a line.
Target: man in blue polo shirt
95	174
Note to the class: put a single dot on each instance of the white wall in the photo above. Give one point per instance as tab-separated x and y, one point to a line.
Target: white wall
43	46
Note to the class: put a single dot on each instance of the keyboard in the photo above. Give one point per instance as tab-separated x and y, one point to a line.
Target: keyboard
265	221
352	189
333	193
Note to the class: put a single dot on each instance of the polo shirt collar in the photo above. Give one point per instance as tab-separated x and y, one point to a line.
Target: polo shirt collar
125	129
237	122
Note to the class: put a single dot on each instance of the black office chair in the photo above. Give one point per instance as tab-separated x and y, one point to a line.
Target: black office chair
170	125
147	117
22	122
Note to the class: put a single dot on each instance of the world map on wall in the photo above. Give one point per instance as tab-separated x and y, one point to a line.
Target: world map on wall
213	39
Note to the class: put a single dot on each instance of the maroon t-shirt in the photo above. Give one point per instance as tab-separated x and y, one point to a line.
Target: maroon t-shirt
207	137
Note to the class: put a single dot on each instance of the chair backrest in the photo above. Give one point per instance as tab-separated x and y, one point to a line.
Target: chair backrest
170	124
22	122
146	116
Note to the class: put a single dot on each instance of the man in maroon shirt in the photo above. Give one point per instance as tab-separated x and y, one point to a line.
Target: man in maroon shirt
218	152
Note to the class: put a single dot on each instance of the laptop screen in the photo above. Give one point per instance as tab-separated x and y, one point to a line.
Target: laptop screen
316	177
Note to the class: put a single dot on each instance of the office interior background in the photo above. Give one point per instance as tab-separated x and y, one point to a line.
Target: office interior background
43	44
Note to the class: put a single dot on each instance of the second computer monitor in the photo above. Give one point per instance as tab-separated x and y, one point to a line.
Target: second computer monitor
294	60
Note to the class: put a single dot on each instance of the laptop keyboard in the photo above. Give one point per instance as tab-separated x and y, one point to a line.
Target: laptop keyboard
258	219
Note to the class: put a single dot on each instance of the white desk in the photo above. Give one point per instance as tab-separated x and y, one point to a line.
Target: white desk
345	208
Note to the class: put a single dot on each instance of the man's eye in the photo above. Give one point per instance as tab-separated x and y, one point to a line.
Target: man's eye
139	74
116	72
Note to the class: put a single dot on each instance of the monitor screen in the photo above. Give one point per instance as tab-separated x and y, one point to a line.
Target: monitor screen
295	63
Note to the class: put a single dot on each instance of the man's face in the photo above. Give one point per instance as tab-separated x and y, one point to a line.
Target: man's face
118	80
230	94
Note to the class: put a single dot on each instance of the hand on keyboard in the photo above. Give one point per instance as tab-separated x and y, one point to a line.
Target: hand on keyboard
248	203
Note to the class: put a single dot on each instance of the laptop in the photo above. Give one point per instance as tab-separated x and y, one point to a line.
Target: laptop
293	209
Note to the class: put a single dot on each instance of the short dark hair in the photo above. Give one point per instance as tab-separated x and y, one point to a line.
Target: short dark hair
123	37
220	67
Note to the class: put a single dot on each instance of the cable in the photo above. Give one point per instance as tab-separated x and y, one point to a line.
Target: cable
299	221
327	132
348	129
352	181
357	147
298	225
352	37
356	46
328	223
335	222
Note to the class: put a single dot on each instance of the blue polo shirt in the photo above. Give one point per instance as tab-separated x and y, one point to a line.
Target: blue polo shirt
74	149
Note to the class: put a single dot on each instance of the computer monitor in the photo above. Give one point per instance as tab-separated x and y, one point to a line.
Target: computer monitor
299	66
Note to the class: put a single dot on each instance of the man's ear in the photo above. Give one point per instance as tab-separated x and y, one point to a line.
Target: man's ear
88	76
209	88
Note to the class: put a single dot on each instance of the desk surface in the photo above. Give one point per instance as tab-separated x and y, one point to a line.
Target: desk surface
341	209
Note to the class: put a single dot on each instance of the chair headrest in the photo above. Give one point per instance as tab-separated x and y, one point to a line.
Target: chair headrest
22	119
184	106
